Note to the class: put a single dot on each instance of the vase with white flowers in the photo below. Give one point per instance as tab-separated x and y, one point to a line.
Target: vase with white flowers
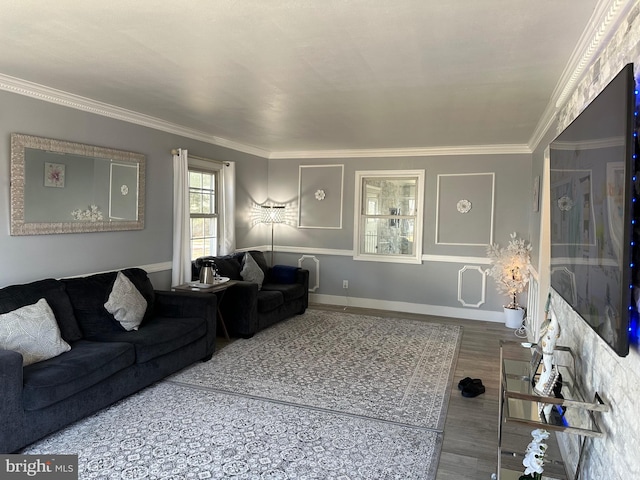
510	270
534	456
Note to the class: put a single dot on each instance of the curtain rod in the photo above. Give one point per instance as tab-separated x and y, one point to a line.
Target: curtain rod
176	151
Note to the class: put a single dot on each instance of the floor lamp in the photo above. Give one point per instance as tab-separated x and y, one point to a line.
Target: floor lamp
272	214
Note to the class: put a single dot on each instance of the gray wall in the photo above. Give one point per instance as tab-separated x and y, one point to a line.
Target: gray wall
431	287
27	258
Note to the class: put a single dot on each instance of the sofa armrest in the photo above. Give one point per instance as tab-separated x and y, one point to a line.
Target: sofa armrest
302	277
189	304
287	274
11	406
239	308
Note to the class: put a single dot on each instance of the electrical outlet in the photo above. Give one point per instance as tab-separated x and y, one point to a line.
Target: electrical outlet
345	283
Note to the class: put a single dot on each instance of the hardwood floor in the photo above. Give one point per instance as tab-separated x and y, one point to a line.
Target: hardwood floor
471	428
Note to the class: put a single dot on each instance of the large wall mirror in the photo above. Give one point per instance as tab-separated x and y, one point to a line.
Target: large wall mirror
65	187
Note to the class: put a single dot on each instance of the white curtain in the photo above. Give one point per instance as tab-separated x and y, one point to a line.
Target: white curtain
228	207
181	268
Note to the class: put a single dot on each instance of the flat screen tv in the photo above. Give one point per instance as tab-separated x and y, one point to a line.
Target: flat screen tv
593	188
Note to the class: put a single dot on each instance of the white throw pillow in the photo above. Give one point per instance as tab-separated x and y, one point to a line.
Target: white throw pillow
126	303
32	330
251	271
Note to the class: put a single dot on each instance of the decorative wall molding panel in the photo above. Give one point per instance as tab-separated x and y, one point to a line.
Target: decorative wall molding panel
479	285
472	226
311	263
533	320
320	196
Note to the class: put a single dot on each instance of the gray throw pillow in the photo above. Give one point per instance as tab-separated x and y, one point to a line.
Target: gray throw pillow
126	303
251	271
32	330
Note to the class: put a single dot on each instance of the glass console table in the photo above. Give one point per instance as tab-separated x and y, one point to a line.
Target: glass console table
521	406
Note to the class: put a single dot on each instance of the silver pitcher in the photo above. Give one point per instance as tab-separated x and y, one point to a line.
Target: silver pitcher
208	272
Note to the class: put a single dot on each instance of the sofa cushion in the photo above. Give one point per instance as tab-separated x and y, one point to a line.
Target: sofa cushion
258	256
89	294
86	364
53	291
126	303
290	291
269	300
143	284
33	332
283	274
159	336
251	271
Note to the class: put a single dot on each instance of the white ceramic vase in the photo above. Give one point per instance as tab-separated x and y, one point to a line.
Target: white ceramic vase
513	317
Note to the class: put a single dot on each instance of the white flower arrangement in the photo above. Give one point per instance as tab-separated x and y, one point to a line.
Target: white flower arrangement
510	267
534	455
92	214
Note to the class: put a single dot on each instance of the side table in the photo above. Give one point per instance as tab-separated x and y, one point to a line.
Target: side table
219	288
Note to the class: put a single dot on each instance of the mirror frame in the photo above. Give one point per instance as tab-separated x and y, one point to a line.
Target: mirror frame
19	227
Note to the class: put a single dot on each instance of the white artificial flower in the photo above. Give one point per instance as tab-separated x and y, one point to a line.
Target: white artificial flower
510	266
533	464
539	434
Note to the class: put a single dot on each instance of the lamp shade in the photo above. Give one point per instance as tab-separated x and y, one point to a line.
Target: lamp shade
272	214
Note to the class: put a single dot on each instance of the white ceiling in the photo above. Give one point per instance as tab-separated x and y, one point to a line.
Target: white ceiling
292	77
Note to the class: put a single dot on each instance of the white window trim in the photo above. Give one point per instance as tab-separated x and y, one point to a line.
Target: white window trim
198	165
416	258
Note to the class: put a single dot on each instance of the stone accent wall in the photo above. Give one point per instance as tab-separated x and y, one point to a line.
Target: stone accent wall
598	368
617	381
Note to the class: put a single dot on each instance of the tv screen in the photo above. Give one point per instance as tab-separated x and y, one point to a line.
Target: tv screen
592	186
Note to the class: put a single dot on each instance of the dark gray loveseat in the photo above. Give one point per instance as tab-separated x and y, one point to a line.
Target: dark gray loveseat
247	307
105	362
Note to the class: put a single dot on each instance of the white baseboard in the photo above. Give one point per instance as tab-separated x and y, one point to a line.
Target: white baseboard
406	307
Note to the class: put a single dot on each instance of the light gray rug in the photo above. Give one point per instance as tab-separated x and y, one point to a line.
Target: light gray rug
384	368
321	396
175	432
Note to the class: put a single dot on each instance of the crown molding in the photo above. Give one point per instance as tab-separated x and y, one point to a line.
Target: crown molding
405	152
603	23
59	97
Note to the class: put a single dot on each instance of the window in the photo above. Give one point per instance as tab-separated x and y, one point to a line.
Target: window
203	208
388	219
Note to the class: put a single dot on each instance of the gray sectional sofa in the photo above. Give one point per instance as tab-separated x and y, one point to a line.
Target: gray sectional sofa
249	306
105	362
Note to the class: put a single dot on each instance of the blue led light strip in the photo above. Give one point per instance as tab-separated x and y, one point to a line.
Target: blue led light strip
634	327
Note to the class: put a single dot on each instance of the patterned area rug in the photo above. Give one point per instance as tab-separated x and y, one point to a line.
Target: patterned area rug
321	396
175	432
384	368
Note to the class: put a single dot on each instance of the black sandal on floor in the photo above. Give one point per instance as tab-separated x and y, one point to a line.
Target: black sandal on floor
473	390
468	381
